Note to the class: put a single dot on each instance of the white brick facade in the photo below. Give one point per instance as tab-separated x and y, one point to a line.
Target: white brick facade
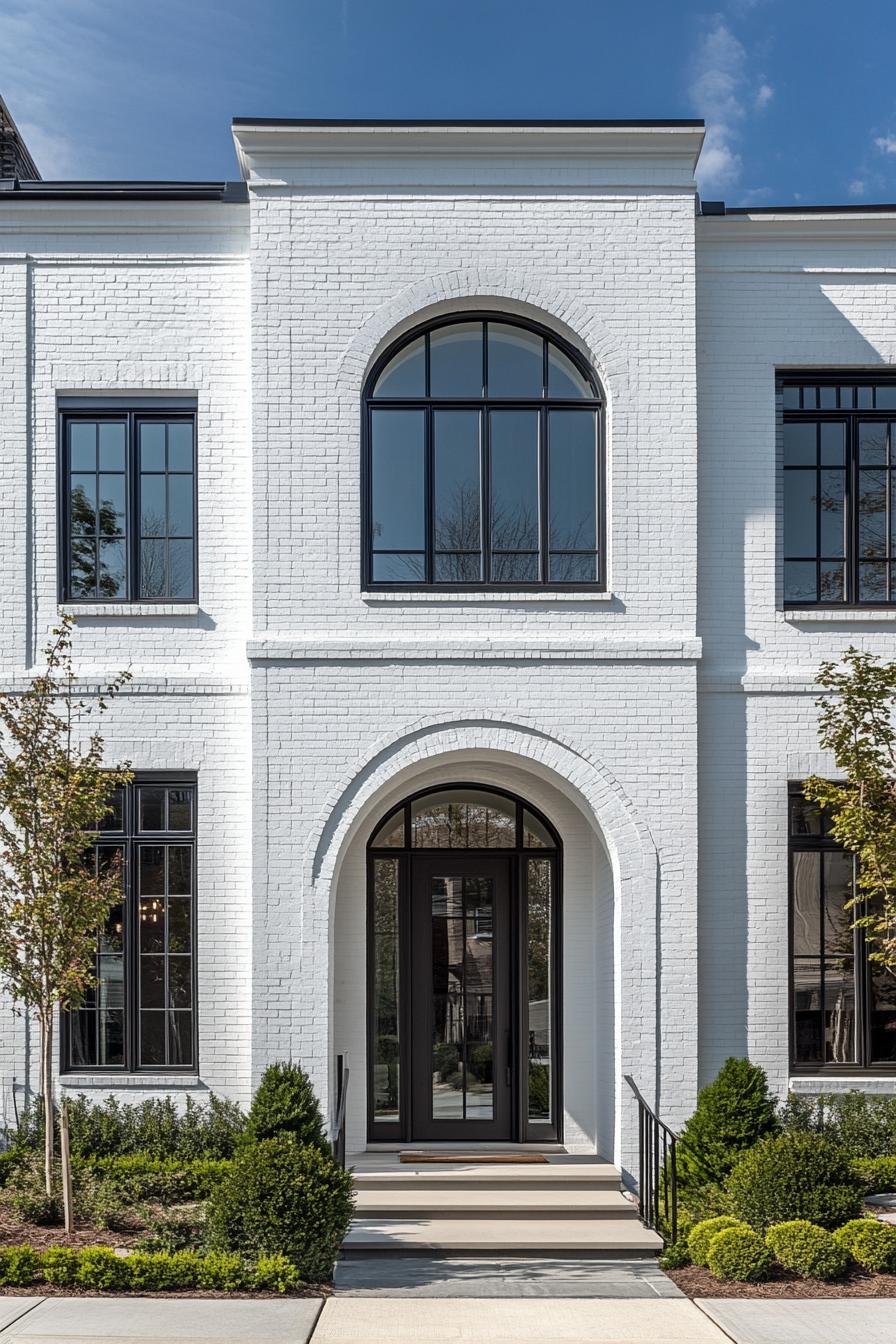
656	724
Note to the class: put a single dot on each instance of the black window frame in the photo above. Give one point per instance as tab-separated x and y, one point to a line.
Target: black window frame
850	416
484	404
129	836
131	412
864	1064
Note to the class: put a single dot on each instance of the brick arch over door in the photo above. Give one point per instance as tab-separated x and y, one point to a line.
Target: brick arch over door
393	764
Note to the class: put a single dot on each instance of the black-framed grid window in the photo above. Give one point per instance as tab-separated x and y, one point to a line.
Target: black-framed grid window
843	1005
140	1015
839	491
482	460
128	505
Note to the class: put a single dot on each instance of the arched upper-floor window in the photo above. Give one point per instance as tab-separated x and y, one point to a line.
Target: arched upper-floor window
483	462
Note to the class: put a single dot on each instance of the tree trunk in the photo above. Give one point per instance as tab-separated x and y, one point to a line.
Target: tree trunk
66	1156
46	1087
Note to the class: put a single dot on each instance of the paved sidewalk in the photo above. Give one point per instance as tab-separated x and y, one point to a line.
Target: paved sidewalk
124	1320
418	1276
852	1320
353	1320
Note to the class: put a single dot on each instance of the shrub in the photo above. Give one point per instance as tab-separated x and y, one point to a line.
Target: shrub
878	1173
702	1234
59	1265
9	1161
19	1266
739	1253
281	1198
870	1243
675	1256
170	1181
221	1272
807	1249
481	1063
165	1271
444	1059
733	1113
176	1232
863	1125
275	1274
794	1176
285	1103
157	1128
100	1268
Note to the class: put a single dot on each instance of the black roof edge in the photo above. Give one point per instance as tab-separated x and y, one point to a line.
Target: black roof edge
28	189
720	208
695	123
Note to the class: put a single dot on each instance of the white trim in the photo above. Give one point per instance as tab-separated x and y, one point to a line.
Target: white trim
123	610
433	597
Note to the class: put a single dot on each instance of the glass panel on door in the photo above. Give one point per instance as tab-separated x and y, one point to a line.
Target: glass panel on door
463	1045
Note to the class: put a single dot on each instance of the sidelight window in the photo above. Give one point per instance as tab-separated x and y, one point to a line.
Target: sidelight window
483	460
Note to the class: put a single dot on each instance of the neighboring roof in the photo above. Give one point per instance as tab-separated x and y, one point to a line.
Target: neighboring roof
15	160
547	123
720	208
228	192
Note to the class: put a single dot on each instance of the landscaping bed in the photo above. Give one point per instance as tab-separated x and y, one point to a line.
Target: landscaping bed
203	1201
696	1281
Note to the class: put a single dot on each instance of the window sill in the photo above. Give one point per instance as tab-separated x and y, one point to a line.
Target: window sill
486	595
842	1082
117	610
167	1081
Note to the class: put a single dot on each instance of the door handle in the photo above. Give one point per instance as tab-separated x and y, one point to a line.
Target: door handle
507	1072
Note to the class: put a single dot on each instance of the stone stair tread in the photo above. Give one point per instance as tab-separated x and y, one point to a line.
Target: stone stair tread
534	1201
484	1175
482	1234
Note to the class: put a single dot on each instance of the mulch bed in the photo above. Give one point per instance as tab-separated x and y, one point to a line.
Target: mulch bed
13	1232
698	1282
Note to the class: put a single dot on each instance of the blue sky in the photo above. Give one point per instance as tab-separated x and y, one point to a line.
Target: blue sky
798	95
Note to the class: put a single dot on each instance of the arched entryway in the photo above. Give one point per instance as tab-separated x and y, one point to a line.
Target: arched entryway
463	939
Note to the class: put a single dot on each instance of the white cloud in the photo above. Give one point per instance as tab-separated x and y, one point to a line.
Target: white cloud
722	91
856	187
886	144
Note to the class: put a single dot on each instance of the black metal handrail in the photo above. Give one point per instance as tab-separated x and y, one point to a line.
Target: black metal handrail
657	1170
338	1139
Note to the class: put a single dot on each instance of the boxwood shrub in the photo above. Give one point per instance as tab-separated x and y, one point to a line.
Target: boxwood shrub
870	1243
100	1268
795	1176
878	1173
281	1198
285	1103
702	1234
807	1249
168	1180
59	1265
19	1266
740	1254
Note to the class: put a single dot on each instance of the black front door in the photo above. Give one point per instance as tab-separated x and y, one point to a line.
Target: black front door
461	1045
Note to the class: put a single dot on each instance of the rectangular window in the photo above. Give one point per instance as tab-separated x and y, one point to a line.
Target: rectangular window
839	490
843	1007
128	505
140	1014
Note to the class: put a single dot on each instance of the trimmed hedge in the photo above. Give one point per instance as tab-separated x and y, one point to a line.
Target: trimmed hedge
870	1243
159	1127
740	1254
280	1198
878	1173
795	1176
862	1124
701	1235
807	1249
168	1180
99	1268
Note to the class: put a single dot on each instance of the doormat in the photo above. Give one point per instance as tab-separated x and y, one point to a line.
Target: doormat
418	1158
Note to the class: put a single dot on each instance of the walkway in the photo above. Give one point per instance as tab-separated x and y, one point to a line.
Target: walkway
410	1319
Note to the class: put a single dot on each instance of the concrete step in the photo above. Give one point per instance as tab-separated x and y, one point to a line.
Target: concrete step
488	1176
411	1201
495	1236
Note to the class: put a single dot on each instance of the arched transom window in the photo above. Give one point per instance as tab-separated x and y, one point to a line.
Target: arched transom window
483	460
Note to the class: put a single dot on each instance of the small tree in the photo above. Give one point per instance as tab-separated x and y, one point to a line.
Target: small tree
53	789
856	724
